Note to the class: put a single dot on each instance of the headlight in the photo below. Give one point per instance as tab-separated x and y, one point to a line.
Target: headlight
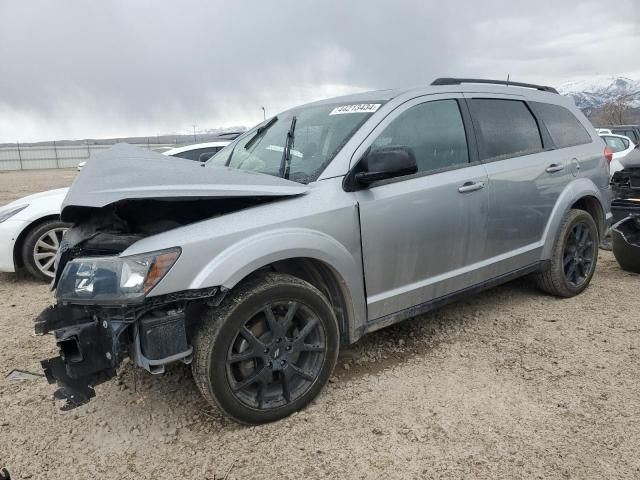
7	214
114	279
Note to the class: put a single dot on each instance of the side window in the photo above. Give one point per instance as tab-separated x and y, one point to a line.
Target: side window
563	126
433	130
507	128
616	144
191	154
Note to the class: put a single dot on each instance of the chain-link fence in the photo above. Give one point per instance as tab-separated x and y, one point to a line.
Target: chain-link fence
21	157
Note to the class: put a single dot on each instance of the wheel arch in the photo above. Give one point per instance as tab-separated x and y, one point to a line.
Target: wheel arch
307	254
580	194
19	243
593	207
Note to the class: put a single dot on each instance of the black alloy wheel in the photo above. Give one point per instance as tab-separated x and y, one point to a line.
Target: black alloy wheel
267	350
574	256
578	259
276	356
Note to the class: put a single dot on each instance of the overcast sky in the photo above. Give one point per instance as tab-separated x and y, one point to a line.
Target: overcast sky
77	69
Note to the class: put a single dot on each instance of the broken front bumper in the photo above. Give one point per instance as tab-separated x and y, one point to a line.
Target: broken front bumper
91	348
94	340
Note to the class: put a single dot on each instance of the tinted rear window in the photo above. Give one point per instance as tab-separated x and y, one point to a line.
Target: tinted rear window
627	133
563	126
507	128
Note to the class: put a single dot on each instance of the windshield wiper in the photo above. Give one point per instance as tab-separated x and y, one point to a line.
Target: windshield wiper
285	163
260	131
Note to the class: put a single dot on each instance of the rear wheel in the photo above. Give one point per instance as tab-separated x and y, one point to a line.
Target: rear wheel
574	257
267	350
40	246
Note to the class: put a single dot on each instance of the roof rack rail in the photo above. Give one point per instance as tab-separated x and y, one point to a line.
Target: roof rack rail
458	81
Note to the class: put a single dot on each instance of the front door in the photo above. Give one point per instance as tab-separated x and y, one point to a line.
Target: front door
423	234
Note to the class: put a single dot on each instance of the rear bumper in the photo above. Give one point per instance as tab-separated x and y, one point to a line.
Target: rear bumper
9	232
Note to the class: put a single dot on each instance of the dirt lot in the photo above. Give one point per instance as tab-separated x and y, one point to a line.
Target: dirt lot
509	384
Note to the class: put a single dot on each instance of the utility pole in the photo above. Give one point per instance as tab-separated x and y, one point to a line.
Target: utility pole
264	113
195	139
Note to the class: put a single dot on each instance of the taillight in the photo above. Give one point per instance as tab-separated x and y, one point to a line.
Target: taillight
608	154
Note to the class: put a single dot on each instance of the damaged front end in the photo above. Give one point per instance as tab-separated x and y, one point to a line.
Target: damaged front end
626	243
625	186
103	316
94	340
106	310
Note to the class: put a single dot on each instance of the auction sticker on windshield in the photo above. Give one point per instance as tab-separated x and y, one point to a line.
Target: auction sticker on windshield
358	108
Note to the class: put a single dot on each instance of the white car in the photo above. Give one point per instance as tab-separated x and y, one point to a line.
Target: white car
197	151
31	230
621	147
603	131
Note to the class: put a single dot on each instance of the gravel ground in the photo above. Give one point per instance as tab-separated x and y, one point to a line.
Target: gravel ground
508	384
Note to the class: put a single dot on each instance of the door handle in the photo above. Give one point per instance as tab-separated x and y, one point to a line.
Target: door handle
470	187
554	167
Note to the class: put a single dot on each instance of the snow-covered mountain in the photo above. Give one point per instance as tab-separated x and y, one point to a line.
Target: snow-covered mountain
590	94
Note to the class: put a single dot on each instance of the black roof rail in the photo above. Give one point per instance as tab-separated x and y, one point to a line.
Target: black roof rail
458	81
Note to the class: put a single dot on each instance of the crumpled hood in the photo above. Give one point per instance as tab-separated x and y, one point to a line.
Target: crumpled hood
127	172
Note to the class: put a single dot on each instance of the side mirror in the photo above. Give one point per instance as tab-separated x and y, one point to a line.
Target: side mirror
383	163
205	156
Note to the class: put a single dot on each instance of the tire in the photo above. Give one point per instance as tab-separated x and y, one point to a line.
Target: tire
258	368
43	239
572	263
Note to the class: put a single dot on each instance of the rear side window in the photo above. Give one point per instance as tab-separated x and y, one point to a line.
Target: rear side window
616	144
507	128
627	133
195	154
563	126
433	130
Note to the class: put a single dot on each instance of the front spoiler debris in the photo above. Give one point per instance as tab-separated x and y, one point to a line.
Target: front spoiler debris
94	340
626	243
74	391
88	353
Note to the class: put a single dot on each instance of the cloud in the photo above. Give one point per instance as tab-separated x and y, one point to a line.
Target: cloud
78	68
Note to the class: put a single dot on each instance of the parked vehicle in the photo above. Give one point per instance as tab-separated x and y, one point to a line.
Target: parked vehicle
603	130
197	151
620	146
394	203
630	131
31	229
625	186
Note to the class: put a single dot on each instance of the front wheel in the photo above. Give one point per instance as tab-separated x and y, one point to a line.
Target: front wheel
40	246
267	350
574	257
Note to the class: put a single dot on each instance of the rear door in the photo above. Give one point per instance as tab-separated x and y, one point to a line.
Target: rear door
526	177
423	233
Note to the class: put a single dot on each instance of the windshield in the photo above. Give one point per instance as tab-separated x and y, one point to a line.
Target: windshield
320	132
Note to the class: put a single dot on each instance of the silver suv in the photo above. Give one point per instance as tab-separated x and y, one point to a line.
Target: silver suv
323	223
